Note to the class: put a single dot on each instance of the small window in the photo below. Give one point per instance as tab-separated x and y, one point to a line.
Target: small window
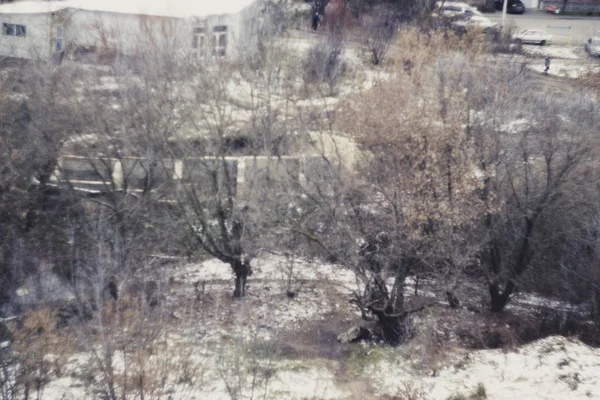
58	39
14	30
199	41
219	41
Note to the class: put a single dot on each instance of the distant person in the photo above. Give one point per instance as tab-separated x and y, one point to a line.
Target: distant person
547	64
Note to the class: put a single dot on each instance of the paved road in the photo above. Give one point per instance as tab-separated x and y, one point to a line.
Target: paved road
581	27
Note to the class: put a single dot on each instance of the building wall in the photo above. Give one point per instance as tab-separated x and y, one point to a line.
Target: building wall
35	44
125	34
574	6
130	34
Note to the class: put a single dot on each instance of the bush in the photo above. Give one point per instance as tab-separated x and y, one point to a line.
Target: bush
324	65
478	393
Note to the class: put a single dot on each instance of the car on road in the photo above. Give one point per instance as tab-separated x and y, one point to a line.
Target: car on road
453	9
513	6
462	17
475	22
533	36
592	46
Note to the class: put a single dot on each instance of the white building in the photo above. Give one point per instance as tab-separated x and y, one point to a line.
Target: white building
202	28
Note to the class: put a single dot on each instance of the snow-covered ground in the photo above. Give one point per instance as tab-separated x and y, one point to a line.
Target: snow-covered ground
565	69
562	52
231	346
548	369
267	308
565	61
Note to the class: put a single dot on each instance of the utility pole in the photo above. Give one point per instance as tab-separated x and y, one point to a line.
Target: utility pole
504	4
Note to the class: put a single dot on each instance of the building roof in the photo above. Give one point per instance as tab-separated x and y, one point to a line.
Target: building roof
163	8
31	7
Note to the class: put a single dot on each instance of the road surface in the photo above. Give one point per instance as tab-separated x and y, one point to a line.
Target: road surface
581	28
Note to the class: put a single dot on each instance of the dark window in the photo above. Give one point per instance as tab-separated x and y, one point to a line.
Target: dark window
14	30
219	40
20	30
8	29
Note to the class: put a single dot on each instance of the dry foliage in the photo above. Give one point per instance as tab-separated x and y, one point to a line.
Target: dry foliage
41	352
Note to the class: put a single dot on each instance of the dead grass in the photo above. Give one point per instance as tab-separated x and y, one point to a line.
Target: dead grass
479	393
40	352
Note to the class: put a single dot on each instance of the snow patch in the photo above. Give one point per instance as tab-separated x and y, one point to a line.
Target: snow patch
567	53
550	368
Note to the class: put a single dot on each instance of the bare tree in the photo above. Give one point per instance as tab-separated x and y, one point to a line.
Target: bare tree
378	29
536	173
32	211
410	200
166	138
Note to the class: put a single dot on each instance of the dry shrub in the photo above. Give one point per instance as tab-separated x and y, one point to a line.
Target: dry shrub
502	41
429	349
479	393
378	31
40	351
131	355
408	391
324	65
247	368
413	49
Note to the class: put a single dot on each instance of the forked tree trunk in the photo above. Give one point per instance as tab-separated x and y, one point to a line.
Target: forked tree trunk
392	321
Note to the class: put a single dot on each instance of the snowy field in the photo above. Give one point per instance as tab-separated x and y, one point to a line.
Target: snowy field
217	342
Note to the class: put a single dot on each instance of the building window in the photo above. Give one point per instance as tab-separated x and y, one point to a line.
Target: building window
199	41
58	39
14	30
219	41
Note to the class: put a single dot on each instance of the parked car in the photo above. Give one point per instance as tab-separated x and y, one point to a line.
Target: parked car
513	6
592	46
477	22
533	36
462	17
453	9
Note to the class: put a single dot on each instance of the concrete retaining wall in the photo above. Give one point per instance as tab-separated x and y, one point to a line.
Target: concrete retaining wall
140	174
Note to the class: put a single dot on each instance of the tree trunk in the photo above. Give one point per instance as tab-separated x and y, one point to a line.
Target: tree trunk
393	328
499	299
240	285
596	301
392	320
242	271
